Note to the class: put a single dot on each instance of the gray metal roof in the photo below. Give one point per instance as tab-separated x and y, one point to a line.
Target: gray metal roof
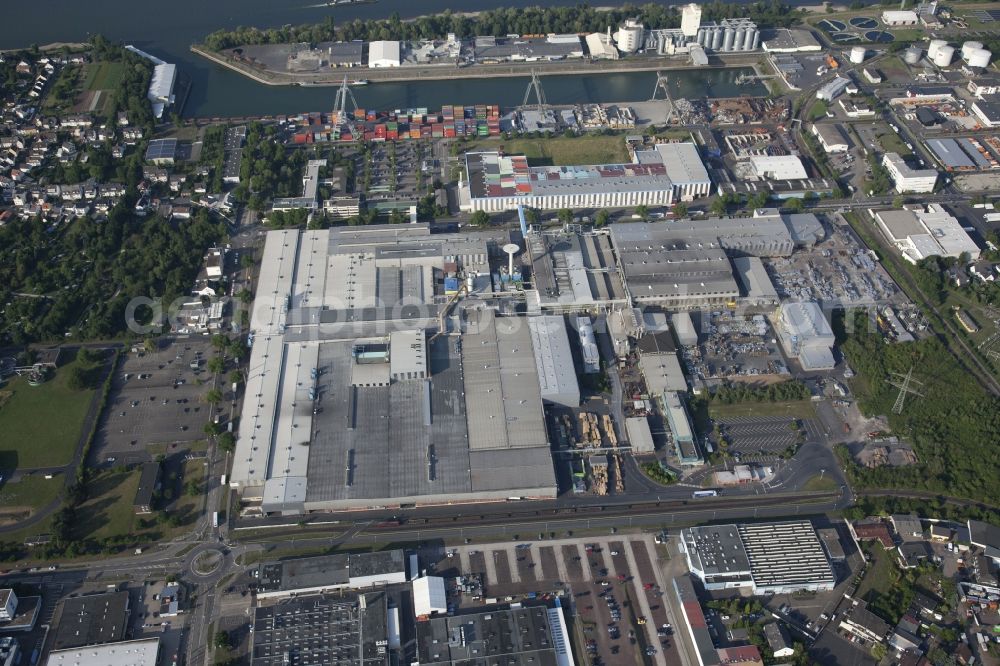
553	357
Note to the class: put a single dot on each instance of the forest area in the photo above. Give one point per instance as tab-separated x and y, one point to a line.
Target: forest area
499	22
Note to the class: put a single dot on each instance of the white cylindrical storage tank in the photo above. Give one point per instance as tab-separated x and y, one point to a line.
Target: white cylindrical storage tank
748	39
970	46
858	54
701	36
912	55
944	56
933	47
727	39
979	58
738	38
756	40
717	39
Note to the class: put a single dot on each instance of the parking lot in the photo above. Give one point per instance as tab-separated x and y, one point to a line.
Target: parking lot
387	182
155	399
767	434
615	586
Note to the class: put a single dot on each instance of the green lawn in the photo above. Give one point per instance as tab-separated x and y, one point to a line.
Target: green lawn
881	575
103	76
560	151
32	491
800	409
891	143
819	483
41	424
108	510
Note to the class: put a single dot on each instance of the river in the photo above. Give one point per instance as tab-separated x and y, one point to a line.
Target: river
167	29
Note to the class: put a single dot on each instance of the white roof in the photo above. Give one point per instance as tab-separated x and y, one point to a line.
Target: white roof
639	435
899	16
141	652
684	165
384	51
429	596
805	319
553	358
778	167
600	47
161	87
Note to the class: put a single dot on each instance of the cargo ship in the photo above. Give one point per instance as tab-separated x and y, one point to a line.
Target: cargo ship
481	120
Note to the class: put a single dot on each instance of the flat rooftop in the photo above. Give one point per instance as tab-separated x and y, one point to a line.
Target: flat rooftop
496	175
91	620
518	637
325	428
321	630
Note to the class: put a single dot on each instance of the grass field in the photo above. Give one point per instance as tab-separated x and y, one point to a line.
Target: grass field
800	409
32	491
881	574
819	483
103	76
41	424
893	144
560	151
108	511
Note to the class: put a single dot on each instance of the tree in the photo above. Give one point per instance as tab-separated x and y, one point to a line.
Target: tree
221	640
215	365
245	296
794	205
601	218
642	212
898	201
718	206
212	429
227	442
532	216
213	397
680	209
219	341
479	219
758	200
565	215
236	377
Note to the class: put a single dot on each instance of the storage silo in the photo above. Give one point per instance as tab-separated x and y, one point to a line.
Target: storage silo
858	54
979	58
756	40
749	38
702	37
933	47
727	40
912	55
716	39
970	46
944	56
738	38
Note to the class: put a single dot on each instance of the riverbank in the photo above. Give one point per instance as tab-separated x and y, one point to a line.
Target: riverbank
335	77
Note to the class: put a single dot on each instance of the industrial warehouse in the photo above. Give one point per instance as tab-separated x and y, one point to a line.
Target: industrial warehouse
670	172
355	403
769	558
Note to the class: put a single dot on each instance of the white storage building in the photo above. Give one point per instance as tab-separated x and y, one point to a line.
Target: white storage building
639	434
429	596
831	137
894	17
553	360
778	167
806	335
384	54
919	234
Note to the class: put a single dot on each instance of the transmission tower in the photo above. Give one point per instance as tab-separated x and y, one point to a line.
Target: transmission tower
662	84
536	86
903	384
344	95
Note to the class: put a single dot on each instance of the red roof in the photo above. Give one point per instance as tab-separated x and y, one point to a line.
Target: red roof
742	654
877	531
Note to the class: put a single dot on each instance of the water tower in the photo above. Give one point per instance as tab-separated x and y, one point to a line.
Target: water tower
511	249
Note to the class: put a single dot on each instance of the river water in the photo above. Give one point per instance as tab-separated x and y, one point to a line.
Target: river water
167	29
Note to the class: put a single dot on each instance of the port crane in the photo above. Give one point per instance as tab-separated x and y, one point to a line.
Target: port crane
662	84
535	85
344	95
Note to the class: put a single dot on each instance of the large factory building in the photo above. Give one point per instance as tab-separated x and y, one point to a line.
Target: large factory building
356	400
